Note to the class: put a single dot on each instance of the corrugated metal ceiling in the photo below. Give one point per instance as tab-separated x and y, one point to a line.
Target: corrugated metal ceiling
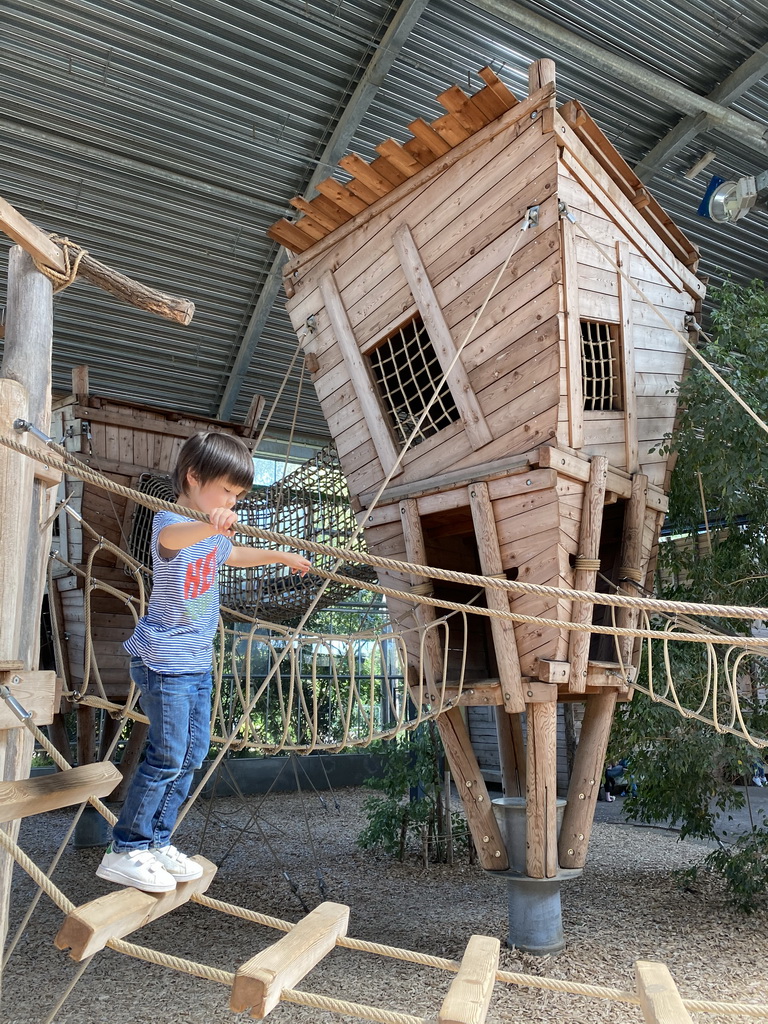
167	136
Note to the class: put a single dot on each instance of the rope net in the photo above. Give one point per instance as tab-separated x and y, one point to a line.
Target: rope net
312	501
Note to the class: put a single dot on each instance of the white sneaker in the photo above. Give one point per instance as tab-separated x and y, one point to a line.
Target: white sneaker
178	864
137	868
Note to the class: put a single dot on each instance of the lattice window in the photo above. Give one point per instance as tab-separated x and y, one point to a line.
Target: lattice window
407	372
601	365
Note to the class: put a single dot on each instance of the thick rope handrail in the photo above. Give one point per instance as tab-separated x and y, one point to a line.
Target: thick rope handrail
75	468
734	640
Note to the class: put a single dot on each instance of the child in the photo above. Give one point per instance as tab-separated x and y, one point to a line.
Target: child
171	657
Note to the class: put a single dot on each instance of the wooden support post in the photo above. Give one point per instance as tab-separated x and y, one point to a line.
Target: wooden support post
509	732
503	630
541	791
585	779
540	74
491	851
131	757
25	392
86	733
415	549
585	577
660	999
259	982
470	993
59	737
80	382
631	558
90	927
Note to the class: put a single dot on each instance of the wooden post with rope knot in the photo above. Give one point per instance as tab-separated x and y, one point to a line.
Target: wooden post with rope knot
62	261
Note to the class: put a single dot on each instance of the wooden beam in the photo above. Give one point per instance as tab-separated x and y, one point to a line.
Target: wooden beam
469	408
628	388
585	578
425	615
586	777
24	797
631	559
660	999
470	785
35	691
89	928
502	630
541	791
380	431
259	982
553	671
500	90
470	993
570	293
509	733
45	250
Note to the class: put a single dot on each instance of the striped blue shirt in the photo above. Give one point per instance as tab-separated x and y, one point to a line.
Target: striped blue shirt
176	635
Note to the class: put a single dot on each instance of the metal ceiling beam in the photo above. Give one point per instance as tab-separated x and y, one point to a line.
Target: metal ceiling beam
99	155
730	122
754	68
393	40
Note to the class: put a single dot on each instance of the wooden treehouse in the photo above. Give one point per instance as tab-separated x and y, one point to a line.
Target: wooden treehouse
535	454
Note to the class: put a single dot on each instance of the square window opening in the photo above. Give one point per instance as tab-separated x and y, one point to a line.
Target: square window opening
407	373
601	366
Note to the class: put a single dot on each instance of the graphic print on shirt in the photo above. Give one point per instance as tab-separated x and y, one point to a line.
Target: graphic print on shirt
200	575
199	578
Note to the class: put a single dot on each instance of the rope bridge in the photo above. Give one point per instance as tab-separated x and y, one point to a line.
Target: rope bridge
278	702
312	938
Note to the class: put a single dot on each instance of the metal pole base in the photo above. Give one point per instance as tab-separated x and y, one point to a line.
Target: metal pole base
535	915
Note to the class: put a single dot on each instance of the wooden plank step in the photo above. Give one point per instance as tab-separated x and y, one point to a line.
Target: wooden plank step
259	982
660	999
470	993
22	798
91	926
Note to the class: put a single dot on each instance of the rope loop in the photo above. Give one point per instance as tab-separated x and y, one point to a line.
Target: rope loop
73	255
587	564
628	573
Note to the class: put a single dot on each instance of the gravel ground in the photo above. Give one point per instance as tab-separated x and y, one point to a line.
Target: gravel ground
625	907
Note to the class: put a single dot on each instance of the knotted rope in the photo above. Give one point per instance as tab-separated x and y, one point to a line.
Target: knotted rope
62	279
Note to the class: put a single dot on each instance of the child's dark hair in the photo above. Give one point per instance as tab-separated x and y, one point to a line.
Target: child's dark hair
211	456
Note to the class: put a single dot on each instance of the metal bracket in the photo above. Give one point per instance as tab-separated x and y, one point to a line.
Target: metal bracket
531	217
18	709
23	426
562	209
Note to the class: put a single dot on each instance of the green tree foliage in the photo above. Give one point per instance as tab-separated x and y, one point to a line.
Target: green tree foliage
409	814
685	771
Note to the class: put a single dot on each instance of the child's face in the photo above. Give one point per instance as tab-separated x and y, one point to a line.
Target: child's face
219	493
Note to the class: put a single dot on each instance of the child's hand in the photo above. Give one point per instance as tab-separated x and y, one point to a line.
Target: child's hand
223	521
298	563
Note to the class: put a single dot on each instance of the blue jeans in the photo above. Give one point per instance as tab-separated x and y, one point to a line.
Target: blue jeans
179	712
